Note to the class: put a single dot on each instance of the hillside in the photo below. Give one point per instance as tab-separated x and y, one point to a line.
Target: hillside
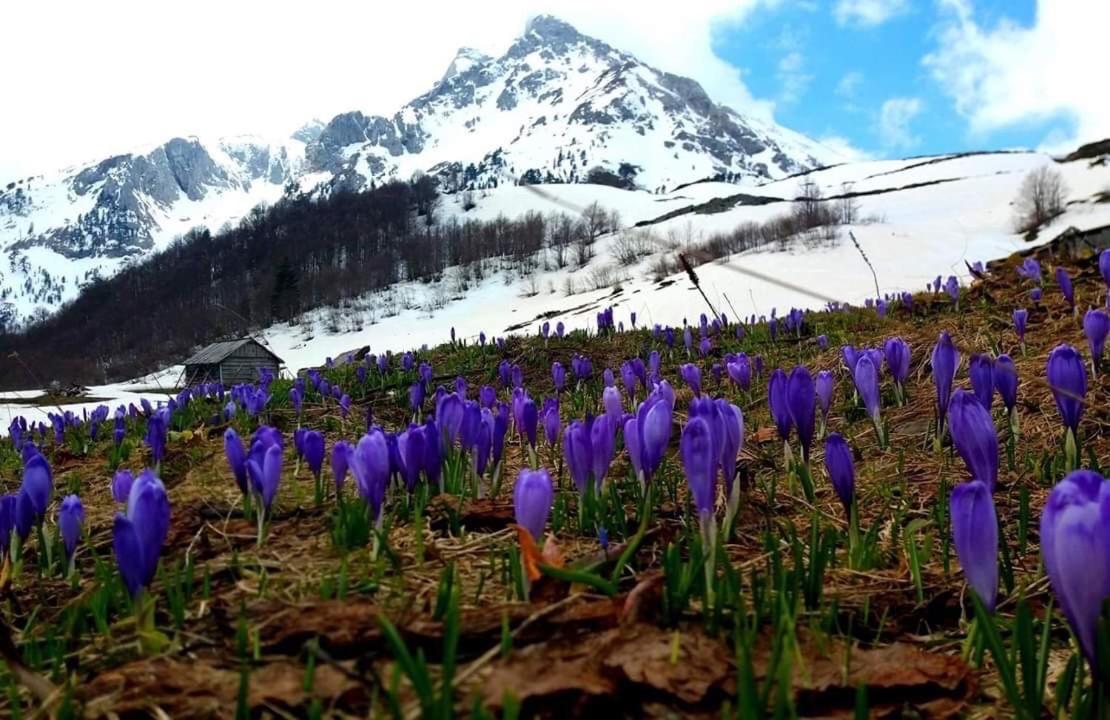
806	610
370	272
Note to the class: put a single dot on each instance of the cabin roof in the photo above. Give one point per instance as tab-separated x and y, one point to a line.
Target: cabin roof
219	351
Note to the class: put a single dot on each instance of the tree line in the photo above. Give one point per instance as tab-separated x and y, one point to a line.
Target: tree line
301	253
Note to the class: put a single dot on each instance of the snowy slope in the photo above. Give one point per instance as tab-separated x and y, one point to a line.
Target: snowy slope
556	105
956	209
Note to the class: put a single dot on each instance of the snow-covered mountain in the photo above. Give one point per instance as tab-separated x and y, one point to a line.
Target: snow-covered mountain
556	106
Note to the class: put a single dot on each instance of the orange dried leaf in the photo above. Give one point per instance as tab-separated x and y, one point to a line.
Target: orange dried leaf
529	554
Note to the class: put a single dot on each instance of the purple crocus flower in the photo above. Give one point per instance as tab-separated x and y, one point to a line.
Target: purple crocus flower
975	437
369	464
449	417
945	360
71	517
433	457
550	420
1006	381
1068	380
1031	270
648	443
867	384
841	469
558	375
532	498
849	355
688	339
740	371
611	401
340	452
344	405
801	399
236	459
298	441
980	368
264	469
487	396
1035	295
699	463
138	536
1021	319
823	386
608	379
1075	545
314	452
1096	326
822	342
516	375
897	354
780	405
578	453
411	452
1066	289
296	399
975	535
603	445
732	422
122	481
628	378
691	375
156	435
530	418
38	483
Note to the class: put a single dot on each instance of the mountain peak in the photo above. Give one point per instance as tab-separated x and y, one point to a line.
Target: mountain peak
550	27
465	58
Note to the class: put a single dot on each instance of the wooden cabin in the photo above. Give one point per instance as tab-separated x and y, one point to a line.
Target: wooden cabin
231	362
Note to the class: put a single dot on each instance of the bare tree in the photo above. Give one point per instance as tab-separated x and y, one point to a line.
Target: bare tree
848	206
1040	199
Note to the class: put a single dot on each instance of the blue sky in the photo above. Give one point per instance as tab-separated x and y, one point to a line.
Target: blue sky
859	70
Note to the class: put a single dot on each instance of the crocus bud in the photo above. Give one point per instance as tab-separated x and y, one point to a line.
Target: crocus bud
71	517
1021	319
699	463
138	536
980	368
38	483
975	437
1006	381
558	375
369	463
236	459
530	420
801	399
1104	266
691	375
1096	326
1068	380
867	384
897	354
945	360
1066	289
603	442
314	451
975	535
123	480
823	386
578	454
841	469
532	498
1075	545
265	473
339	454
780	405
611	401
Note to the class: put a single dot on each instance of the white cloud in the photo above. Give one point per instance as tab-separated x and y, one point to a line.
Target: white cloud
792	77
894	122
83	80
849	84
844	148
1007	75
868	13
